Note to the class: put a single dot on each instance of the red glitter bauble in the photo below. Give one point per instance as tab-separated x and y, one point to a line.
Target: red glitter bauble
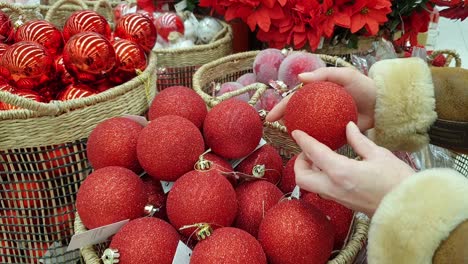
265	163
110	195
221	165
322	110
146	241
340	216
28	94
6	28
232	129
288	181
41	32
201	197
138	29
3	48
130	58
27	64
294	232
169	147
228	245
167	23
114	143
156	196
255	199
63	75
75	91
86	21
180	101
89	57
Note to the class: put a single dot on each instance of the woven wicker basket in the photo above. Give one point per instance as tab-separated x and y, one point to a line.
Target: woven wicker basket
232	67
43	160
177	66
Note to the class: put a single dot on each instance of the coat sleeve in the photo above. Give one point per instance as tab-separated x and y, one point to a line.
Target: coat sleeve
423	220
405	104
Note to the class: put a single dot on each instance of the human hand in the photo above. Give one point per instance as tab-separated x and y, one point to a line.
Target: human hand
359	86
358	185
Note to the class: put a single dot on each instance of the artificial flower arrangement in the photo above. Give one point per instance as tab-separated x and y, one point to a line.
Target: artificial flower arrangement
300	23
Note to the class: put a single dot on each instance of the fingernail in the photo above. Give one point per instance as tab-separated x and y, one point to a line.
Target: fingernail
352	125
306	74
294	133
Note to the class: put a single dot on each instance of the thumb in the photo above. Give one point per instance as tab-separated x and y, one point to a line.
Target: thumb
363	146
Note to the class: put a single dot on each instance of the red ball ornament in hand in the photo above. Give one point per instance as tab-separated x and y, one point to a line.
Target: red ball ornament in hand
6	28
27	64
75	91
86	21
131	57
41	32
89	57
137	28
168	23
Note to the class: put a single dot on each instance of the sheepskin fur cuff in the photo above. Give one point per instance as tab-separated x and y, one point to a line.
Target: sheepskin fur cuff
405	105
417	216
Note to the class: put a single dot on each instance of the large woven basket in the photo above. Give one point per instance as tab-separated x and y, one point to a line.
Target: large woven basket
177	66
43	160
232	67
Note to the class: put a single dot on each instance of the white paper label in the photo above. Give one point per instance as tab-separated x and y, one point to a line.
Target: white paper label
139	119
181	6
235	163
57	253
182	254
167	186
296	193
95	236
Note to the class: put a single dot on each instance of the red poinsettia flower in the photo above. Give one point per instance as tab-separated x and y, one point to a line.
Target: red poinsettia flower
414	24
329	15
369	14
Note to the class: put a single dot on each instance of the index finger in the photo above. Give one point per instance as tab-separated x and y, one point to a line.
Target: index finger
278	111
338	75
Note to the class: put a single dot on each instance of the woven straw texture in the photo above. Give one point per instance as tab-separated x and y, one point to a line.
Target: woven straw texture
43	153
177	66
232	67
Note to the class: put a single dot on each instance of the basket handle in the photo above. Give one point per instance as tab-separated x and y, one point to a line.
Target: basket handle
107	7
12	7
55	7
41	108
451	54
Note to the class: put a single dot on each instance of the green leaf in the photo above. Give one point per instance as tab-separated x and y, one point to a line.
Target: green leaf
353	42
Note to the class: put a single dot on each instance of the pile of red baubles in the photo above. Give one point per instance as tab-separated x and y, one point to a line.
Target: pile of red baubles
43	63
226	215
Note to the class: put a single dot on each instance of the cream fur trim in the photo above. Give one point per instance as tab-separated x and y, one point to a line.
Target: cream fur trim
405	103
413	219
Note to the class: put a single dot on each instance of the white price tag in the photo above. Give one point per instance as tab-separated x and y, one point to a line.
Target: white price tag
235	163
182	254
95	236
139	119
296	193
167	186
181	6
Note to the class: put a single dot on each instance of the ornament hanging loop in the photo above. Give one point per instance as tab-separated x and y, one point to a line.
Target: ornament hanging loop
150	210
202	164
203	230
258	171
110	256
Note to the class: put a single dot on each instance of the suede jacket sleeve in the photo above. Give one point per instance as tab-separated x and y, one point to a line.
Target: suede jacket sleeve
425	218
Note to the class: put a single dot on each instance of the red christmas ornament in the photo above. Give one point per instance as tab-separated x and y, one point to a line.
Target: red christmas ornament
146	241
3	48
41	32
6	28
27	64
17	220
138	29
75	91
228	245
60	223
255	199
340	216
24	194
114	143
288	182
210	161
103	85
130	58
180	101
5	87
232	129
86	21
63	75
8	248
167	23
110	195
174	142
28	94
322	110
294	232
89	57
201	197
58	160
156	196
264	163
